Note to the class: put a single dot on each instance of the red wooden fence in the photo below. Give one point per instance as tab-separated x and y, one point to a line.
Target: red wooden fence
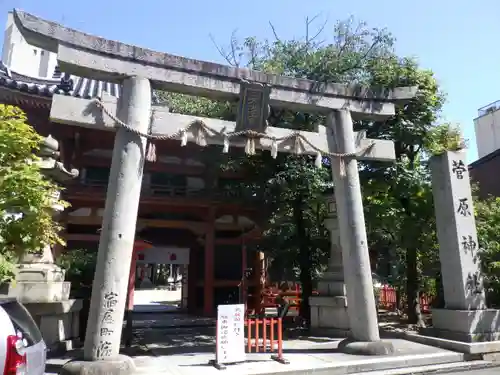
293	295
387	297
263	336
266	335
387	300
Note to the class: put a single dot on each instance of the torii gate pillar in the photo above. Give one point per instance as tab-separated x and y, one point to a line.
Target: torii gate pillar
116	243
356	259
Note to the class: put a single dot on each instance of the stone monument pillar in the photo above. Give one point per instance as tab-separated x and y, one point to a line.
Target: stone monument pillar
329	309
465	317
39	282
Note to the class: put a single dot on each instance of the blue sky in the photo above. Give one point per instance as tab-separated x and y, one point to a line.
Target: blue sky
456	39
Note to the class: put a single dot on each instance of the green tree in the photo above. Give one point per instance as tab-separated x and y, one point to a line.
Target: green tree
487	214
401	214
407	183
289	186
26	196
79	265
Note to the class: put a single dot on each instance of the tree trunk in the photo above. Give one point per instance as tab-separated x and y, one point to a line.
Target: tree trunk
398	299
305	260
413	289
439	301
412	273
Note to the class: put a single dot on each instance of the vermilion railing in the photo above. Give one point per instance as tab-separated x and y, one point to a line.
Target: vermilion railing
293	295
388	299
265	335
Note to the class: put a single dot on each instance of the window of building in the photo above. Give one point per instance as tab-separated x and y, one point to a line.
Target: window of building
167	184
97	175
228	187
168	179
227	262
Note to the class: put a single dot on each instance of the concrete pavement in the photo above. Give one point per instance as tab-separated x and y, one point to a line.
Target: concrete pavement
173	343
463	368
185	351
488	371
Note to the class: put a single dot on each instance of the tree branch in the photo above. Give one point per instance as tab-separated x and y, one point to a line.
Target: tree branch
274	32
221	51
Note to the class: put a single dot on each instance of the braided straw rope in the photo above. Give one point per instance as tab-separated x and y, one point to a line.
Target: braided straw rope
250	146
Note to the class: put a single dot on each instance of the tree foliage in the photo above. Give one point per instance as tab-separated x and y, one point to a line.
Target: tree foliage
398	199
79	265
487	214
26	196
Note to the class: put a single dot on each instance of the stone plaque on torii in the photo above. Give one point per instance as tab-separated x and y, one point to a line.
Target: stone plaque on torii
135	121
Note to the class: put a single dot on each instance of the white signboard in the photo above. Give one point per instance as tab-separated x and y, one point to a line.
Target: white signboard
230	334
164	255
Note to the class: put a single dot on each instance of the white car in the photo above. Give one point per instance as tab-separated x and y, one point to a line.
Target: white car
22	349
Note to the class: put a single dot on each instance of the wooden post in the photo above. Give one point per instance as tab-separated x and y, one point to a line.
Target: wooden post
131	281
130	301
244	281
257	281
193	268
208	303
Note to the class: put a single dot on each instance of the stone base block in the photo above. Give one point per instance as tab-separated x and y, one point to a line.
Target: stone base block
39	272
329	312
27	291
380	347
465	325
120	365
59	323
331	285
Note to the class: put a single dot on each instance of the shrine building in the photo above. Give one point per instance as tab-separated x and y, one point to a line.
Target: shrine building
190	214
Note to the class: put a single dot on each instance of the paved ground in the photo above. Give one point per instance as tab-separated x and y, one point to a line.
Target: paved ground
464	368
173	343
187	351
160	320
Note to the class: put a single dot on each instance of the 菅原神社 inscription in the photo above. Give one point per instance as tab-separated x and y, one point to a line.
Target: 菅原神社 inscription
456	227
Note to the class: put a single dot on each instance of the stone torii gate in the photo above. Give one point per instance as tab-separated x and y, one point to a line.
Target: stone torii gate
135	121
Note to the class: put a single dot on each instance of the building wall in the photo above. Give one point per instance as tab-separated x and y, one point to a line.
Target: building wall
23	58
487	129
484	172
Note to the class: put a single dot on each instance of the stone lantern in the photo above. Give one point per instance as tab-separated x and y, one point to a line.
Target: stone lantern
329	308
40	284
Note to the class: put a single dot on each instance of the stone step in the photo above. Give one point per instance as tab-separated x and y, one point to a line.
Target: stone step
438	369
389	365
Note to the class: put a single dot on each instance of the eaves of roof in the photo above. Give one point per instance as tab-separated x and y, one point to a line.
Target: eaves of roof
66	84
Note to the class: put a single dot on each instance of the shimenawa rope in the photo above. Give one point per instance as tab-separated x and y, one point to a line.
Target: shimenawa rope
202	130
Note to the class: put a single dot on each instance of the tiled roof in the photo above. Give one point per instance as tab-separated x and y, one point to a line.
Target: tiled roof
485	159
61	83
67	85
